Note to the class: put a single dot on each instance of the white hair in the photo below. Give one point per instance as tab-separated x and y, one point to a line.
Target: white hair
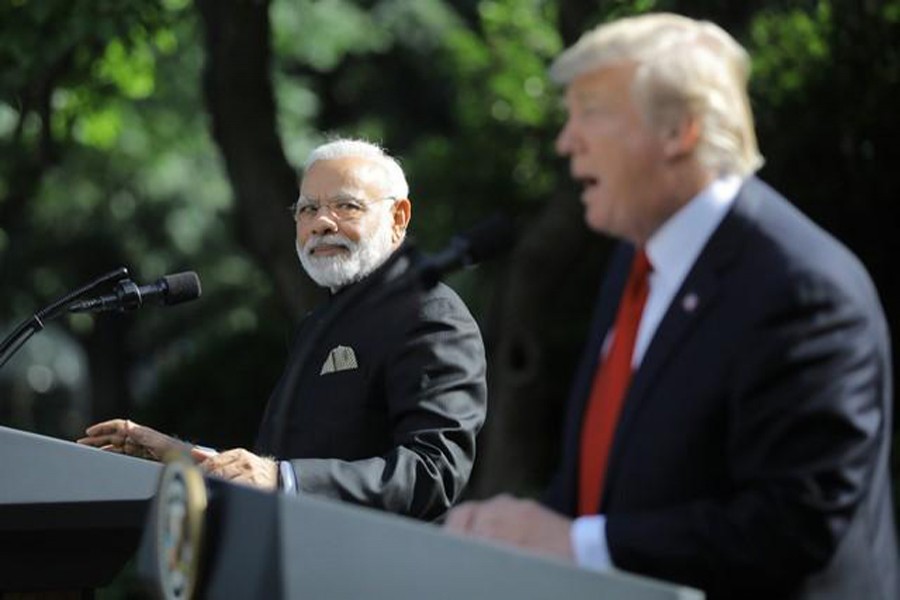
684	68
369	253
395	180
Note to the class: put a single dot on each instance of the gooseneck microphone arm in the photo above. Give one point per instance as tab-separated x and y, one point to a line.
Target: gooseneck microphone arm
171	289
484	240
35	323
127	295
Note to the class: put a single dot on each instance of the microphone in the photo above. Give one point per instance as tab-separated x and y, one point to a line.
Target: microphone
484	240
168	290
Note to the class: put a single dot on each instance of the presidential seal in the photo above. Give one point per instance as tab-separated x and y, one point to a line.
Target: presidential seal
180	510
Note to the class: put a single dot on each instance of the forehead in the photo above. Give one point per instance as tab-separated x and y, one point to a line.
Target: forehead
355	176
606	83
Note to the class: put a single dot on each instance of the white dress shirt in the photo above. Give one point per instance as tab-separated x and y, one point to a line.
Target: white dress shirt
672	251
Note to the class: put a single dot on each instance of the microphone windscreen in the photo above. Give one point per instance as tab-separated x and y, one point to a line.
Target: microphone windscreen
492	236
182	287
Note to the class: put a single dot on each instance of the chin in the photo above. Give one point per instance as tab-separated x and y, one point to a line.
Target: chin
596	223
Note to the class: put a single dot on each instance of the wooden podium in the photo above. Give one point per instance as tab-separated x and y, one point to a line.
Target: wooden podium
266	545
70	516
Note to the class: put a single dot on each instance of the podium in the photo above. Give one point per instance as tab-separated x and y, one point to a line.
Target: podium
70	516
264	545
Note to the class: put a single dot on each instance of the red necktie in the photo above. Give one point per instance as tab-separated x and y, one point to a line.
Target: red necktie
609	388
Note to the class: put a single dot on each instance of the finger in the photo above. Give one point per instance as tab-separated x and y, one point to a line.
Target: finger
213	463
226	472
489	521
100	440
201	454
92	441
106	427
234	456
231	464
460	518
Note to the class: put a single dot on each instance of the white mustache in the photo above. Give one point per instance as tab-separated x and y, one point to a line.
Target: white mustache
333	239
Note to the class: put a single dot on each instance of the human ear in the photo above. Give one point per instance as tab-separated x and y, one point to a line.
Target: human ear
681	138
401	213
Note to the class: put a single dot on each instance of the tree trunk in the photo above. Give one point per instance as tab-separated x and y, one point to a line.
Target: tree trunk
539	325
238	90
542	315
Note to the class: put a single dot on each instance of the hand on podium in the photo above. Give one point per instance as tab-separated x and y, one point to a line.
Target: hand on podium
127	437
522	523
239	465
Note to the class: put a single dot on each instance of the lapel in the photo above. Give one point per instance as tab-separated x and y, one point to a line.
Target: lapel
604	315
608	295
308	352
697	294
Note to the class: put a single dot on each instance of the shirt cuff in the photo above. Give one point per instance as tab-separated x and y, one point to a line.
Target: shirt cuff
589	543
287	479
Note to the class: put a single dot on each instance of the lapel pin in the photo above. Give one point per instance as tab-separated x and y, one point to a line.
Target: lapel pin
689	302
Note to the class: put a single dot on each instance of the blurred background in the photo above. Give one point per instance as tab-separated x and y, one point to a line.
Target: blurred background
166	135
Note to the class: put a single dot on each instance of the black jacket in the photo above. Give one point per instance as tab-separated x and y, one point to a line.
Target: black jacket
391	422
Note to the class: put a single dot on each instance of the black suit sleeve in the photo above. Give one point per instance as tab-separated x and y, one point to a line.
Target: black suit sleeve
435	394
807	417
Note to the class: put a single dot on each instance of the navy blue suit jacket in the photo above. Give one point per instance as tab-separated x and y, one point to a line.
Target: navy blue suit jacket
751	458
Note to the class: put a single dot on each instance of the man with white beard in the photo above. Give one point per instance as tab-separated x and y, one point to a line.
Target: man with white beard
385	404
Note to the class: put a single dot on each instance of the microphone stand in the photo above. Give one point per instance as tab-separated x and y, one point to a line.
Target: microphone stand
35	323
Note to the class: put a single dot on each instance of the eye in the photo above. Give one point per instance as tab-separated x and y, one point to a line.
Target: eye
349	207
307	210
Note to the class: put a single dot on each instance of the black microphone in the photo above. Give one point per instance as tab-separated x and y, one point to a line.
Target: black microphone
168	290
486	239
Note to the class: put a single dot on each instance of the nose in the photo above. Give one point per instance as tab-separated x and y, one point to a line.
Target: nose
566	140
323	223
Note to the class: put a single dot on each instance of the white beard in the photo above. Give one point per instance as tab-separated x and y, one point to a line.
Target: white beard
335	272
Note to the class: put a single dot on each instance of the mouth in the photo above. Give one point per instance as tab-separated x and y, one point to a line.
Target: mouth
324	250
587	183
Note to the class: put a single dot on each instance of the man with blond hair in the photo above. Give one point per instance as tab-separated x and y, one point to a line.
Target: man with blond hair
729	424
381	408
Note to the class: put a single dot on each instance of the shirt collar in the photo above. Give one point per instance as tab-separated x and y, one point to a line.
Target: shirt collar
674	247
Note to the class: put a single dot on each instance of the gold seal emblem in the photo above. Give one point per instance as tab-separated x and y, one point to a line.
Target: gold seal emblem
180	510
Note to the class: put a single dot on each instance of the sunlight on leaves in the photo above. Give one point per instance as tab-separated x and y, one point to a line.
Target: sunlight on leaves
132	71
8	119
789	48
99	129
331	29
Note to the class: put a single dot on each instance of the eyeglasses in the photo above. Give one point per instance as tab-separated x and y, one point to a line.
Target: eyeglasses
342	208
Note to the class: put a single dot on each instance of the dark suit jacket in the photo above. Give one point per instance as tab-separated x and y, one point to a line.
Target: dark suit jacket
397	432
751	458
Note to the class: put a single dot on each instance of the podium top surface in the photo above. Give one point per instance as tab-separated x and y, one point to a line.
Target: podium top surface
287	547
38	469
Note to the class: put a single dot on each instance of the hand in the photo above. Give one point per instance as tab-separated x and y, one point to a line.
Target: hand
241	466
522	523
126	437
